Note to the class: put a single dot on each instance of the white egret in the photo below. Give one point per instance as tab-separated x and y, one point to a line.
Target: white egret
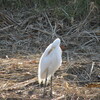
50	61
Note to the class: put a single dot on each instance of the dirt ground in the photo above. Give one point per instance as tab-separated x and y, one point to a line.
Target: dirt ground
73	81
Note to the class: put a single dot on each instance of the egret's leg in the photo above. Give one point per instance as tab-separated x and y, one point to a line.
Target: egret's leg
51	88
45	83
41	85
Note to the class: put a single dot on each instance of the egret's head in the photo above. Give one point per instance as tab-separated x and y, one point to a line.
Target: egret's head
56	42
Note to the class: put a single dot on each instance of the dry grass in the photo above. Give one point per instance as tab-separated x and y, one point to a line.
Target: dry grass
18	79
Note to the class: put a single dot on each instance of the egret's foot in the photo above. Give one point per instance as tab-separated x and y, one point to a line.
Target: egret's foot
51	94
41	85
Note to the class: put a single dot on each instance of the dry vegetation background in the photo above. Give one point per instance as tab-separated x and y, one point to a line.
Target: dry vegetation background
27	27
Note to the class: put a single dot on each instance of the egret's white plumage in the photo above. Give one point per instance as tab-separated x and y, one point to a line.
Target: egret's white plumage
50	61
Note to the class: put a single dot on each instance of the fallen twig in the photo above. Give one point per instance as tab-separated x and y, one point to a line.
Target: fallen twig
6	28
19	85
93	63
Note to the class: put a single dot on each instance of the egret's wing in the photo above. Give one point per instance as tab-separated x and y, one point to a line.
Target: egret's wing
44	60
45	63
